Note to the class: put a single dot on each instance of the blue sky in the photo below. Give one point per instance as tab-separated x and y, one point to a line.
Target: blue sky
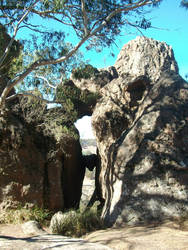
171	22
172	27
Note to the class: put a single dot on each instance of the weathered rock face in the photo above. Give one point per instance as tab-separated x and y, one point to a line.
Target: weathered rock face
146	57
40	163
141	126
97	81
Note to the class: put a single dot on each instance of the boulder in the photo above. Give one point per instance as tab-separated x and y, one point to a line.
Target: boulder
82	99
82	90
96	81
32	228
141	127
40	157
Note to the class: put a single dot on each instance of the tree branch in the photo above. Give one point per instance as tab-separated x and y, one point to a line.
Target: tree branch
85	18
42	62
12	97
46	80
15	33
35	65
128	7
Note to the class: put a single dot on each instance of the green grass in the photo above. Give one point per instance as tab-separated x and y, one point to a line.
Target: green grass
21	215
78	223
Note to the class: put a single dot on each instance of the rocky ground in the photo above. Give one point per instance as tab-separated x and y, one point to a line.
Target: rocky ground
168	236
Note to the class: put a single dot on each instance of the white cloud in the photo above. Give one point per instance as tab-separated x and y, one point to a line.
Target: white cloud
84	127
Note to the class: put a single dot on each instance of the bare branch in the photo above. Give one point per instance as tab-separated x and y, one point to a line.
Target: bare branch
46	80
85	18
57	19
126	8
31	28
12	97
35	65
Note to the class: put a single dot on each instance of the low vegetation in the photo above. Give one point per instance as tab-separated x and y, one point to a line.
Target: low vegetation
79	223
75	225
21	215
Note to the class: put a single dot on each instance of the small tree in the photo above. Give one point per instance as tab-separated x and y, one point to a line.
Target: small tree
95	23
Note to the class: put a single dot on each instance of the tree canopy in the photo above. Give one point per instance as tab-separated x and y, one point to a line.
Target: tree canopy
54	50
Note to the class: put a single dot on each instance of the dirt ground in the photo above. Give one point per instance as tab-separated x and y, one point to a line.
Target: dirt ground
167	236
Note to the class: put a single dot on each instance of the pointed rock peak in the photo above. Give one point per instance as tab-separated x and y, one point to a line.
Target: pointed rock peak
145	56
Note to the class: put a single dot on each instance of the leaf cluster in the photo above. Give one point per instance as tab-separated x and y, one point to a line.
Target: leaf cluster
84	72
13	63
184	3
68	92
21	215
82	16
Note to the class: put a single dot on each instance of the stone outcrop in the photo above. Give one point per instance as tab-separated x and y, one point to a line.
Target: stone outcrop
98	80
32	227
140	119
49	241
40	157
82	101
141	126
84	92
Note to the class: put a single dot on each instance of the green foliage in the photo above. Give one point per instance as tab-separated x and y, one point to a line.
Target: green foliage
14	61
68	92
96	23
20	215
46	47
79	223
60	122
70	96
84	72
184	3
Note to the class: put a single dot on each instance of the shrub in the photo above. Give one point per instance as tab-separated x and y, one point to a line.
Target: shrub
77	223
84	72
20	215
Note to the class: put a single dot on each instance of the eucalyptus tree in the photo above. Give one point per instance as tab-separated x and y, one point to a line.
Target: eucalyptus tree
93	23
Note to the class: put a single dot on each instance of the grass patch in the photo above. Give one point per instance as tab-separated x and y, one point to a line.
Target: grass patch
21	215
78	223
73	223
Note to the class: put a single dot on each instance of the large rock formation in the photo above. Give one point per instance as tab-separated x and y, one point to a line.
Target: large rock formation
140	120
141	126
40	157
